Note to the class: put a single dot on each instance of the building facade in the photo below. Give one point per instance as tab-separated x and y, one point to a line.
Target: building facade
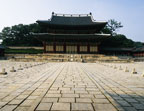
65	33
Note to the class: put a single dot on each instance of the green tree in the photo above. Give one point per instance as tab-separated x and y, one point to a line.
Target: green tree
118	40
112	27
20	35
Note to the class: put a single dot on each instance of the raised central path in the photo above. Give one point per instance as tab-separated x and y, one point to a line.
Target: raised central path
71	87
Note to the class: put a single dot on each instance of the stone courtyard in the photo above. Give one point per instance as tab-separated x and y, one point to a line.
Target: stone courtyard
71	86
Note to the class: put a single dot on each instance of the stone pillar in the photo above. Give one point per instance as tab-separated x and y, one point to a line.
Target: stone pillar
3	72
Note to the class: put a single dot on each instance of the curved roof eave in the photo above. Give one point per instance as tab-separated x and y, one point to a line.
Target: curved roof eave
71	24
52	34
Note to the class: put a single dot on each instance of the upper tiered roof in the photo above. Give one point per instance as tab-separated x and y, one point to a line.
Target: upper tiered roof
72	20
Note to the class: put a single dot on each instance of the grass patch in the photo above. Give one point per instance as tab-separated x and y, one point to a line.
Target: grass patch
23	51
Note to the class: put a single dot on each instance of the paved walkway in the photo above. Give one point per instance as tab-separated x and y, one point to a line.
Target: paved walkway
71	87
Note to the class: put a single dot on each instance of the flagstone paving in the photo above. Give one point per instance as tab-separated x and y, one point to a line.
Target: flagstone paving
70	87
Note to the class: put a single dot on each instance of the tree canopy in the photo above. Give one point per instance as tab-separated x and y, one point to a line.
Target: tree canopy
118	40
19	35
112	27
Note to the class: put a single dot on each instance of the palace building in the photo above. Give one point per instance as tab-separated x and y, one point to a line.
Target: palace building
65	33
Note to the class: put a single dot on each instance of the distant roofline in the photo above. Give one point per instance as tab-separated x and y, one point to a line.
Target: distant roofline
2	47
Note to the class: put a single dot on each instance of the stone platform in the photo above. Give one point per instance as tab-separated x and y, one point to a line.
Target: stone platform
71	86
89	58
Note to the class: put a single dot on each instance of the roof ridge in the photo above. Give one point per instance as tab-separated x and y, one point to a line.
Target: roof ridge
72	15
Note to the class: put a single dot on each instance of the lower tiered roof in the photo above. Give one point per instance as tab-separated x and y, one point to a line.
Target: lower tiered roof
52	36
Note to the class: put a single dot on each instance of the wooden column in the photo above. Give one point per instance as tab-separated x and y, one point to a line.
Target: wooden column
54	46
88	48
44	45
98	49
78	48
64	47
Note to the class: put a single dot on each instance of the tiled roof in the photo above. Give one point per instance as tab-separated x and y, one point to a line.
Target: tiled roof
72	20
141	49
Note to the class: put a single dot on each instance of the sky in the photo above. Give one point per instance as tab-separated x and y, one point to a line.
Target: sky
129	12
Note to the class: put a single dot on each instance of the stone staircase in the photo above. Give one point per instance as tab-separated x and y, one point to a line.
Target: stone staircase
91	58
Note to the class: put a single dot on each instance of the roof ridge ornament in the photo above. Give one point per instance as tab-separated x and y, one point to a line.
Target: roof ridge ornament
72	15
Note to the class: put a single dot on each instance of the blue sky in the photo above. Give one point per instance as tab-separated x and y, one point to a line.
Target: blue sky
129	12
